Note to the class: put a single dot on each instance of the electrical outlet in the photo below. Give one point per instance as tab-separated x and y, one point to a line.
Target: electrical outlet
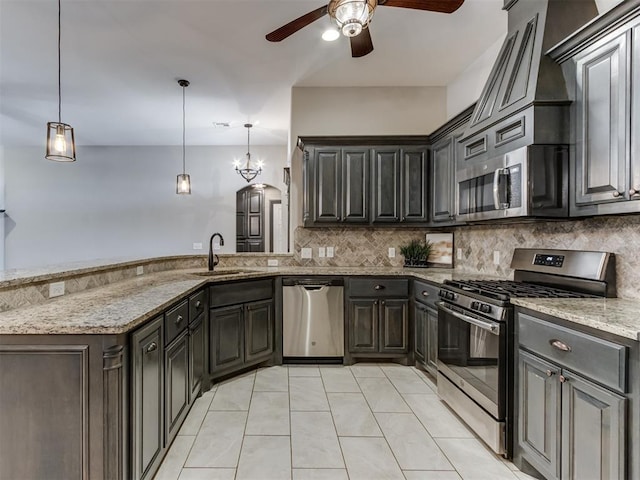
321	252
272	262
197	246
139	270
330	252
392	252
459	254
306	253
56	289
496	257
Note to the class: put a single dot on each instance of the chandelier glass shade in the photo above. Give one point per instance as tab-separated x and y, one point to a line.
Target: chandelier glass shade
352	16
248	172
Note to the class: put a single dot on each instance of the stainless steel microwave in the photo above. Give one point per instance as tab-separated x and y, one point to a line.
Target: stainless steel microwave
531	181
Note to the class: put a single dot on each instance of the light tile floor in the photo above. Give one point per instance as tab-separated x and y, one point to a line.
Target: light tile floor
364	422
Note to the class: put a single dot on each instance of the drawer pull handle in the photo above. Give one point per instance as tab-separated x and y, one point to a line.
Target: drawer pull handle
179	320
563	379
560	345
550	373
616	194
379	287
425	293
634	191
198	304
152	346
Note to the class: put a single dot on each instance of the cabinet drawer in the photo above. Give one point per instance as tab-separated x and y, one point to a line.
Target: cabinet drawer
379	287
197	305
240	292
600	360
426	293
175	321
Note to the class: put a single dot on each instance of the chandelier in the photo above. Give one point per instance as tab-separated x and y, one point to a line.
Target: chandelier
248	173
352	16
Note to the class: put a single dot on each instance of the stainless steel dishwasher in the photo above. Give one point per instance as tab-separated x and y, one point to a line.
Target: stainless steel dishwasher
313	317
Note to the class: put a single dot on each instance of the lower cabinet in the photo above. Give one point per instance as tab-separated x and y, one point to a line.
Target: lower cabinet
197	356
379	324
426	337
177	387
147	398
241	325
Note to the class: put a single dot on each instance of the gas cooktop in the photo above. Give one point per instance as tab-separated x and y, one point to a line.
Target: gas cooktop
502	290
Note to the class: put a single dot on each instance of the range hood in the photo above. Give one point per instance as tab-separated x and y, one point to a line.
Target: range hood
523	75
512	161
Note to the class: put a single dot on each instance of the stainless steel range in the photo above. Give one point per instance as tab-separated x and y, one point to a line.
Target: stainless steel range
475	332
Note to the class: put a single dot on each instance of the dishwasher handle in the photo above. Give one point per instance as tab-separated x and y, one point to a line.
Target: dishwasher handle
313	282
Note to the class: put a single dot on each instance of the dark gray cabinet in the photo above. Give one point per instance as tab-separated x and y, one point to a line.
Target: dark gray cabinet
425	325
147	398
241	325
571	403
177	385
370	184
420	333
378	317
197	355
600	64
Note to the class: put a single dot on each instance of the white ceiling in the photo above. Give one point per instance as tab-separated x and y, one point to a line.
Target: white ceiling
121	60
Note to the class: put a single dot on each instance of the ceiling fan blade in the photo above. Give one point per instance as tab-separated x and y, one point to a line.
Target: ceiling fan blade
362	44
297	24
442	6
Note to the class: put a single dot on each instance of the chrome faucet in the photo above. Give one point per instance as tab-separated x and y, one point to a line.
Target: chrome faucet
212	262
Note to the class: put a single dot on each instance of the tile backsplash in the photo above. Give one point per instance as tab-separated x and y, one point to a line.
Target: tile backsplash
369	247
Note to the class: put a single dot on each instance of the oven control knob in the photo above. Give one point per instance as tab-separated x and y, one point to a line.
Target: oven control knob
451	296
441	293
475	305
484	308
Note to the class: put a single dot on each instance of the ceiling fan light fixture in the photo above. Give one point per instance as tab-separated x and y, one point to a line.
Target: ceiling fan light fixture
352	16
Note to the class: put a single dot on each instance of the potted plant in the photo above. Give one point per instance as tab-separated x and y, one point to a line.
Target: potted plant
416	253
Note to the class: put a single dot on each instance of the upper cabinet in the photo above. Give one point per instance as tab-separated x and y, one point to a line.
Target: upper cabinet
363	181
601	63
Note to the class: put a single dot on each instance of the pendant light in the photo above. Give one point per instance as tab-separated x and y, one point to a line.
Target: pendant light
183	183
247	172
61	144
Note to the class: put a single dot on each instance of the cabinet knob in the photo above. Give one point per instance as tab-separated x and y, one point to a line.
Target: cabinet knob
152	346
550	373
425	293
179	320
337	218
634	191
404	218
198	304
376	302
560	345
563	379
616	194
383	302
379	287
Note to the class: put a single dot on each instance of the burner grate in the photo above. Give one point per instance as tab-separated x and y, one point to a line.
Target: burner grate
504	289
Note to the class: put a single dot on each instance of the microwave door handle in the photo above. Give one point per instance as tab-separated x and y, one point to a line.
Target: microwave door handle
489	326
496	188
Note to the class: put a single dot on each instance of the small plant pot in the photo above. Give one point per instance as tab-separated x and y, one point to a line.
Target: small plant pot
412	263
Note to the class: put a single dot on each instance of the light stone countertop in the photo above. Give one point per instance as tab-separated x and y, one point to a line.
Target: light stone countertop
613	315
119	307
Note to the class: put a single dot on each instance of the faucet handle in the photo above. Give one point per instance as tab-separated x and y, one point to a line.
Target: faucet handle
216	260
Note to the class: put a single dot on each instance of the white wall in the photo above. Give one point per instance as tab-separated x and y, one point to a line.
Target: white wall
121	201
340	111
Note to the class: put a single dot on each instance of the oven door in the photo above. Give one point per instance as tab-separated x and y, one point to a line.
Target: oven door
495	188
472	354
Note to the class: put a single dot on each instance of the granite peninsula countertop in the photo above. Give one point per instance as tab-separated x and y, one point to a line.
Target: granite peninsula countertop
613	315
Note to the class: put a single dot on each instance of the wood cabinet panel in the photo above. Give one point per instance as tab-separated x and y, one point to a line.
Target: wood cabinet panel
386	185
363	326
226	337
394	326
258	330
414	185
177	386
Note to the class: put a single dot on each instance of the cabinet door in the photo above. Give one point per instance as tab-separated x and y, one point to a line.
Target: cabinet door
176	385
363	326
259	324
414	185
327	188
539	421
197	351
226	337
635	116
147	397
442	181
394	323
386	185
420	332
241	215
355	191
602	123
432	341
593	431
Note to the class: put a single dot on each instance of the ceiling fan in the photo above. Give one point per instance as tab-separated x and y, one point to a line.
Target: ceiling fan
353	17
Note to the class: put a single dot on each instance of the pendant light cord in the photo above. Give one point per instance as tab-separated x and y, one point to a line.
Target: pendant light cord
59	67
183	133
248	147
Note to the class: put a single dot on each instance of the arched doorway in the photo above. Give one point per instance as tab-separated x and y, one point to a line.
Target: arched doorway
259	219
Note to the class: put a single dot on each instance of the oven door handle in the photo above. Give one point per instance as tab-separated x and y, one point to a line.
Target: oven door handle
492	327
